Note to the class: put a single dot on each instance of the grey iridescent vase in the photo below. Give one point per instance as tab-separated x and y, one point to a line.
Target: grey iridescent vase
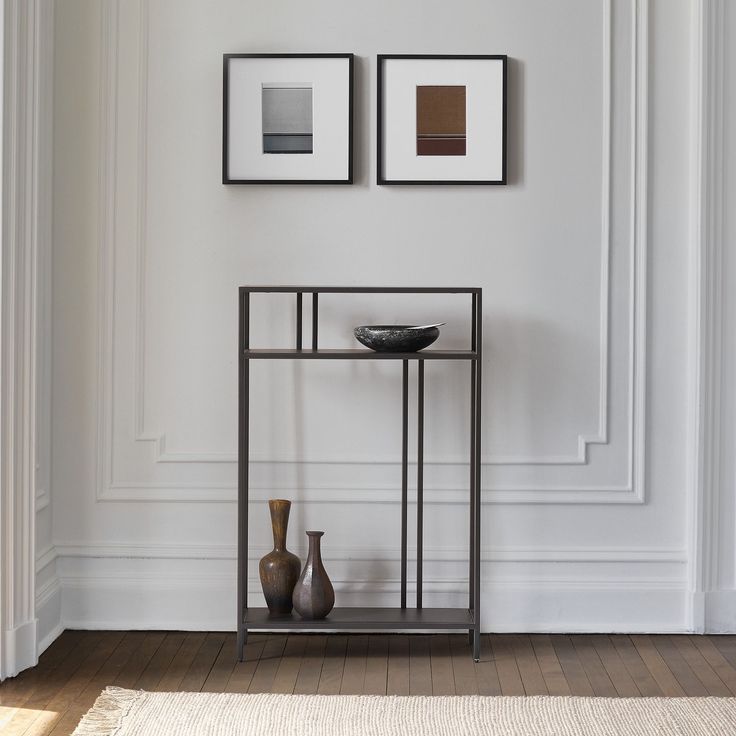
313	595
279	569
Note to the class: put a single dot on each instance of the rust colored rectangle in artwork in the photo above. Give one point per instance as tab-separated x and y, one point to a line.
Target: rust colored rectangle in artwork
441	146
441	110
441	120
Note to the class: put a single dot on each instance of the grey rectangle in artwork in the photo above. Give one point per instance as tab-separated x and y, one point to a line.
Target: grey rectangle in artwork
287	118
287	143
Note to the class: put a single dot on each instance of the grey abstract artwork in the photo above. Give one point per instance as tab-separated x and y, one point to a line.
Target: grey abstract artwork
287	118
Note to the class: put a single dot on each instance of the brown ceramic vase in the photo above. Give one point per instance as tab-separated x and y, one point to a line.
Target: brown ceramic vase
279	569
313	595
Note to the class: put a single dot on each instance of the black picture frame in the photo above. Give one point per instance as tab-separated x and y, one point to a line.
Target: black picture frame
381	179
226	58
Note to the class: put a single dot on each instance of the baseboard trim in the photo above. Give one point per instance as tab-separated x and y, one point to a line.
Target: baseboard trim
207	603
720	612
19	649
48	614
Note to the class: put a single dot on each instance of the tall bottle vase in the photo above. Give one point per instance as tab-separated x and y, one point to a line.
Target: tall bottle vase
279	569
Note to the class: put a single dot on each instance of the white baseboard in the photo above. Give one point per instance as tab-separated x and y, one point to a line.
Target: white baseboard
590	609
203	603
48	612
19	649
720	612
123	586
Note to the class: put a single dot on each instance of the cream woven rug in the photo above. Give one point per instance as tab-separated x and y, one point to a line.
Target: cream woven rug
119	712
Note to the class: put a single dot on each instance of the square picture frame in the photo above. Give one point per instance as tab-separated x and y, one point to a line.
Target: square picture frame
442	119
287	119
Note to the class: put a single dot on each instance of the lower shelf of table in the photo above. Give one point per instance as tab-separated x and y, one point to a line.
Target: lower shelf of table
358	618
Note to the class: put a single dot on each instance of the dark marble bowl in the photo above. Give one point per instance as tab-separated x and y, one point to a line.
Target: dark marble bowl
396	338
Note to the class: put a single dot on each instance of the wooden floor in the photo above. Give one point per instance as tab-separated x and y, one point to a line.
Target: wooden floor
52	697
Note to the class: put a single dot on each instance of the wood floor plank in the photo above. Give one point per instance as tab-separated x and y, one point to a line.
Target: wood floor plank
242	674
635	666
288	670
443	682
700	667
307	681
268	664
105	676
353	675
549	665
110	670
34	706
15	691
594	669
60	648
667	682
202	663
175	672
721	666
615	667
506	667
397	678
376	666
571	665
678	666
138	662
420	665
33	712
50	699
726	645
223	667
485	670
531	675
85	673
333	665
161	660
463	667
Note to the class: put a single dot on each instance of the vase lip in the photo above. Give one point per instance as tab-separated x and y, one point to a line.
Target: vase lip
314	534
279	500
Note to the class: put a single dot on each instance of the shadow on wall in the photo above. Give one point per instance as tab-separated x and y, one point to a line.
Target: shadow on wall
515	122
362	145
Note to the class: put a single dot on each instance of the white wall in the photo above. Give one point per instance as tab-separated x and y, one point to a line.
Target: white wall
583	259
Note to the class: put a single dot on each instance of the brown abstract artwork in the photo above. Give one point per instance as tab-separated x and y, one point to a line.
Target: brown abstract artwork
441	129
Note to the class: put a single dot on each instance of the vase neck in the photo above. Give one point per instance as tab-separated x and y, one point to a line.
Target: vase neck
314	545
279	522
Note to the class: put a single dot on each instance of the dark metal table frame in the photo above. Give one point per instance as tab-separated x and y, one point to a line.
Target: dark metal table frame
361	618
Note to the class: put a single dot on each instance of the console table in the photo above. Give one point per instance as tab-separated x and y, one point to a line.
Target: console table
402	617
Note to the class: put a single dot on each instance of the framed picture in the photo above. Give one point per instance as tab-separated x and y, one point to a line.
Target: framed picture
441	119
287	119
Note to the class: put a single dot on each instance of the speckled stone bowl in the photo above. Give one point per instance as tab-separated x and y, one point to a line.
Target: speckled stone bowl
396	338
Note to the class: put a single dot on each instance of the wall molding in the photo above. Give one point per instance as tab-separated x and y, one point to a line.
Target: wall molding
631	491
27	27
707	481
580	457
131	550
226	493
46	557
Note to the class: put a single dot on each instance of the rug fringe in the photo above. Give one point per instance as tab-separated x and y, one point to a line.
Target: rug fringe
105	717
